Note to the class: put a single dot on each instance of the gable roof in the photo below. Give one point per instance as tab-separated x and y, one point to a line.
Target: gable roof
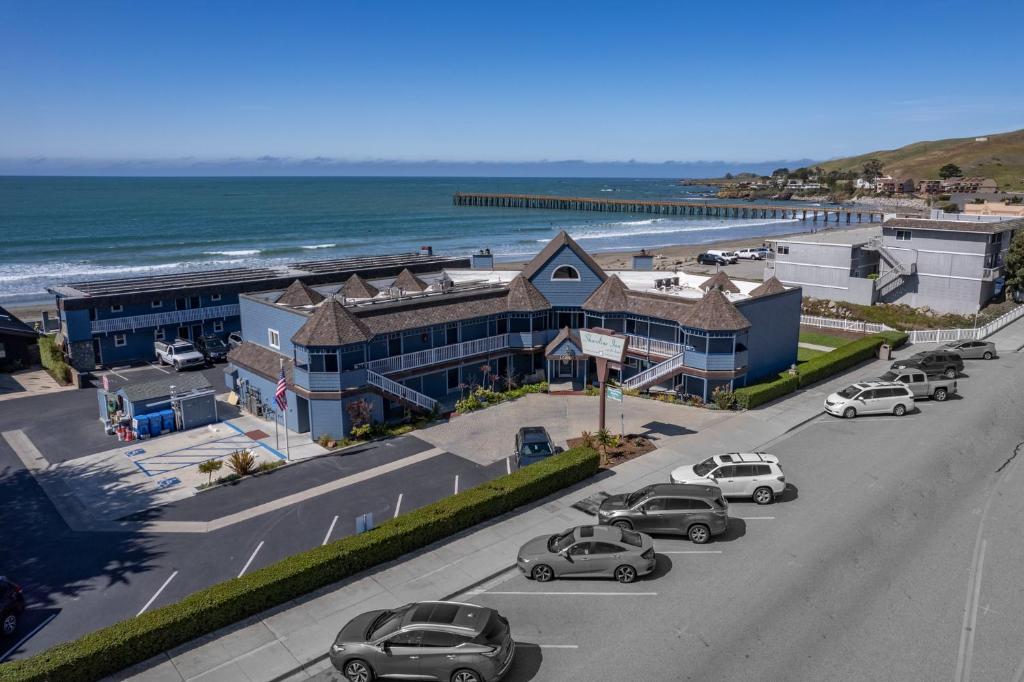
565	335
357	287
260	360
612	296
332	325
772	285
714	312
406	281
9	324
299	293
553	246
161	388
720	280
524	297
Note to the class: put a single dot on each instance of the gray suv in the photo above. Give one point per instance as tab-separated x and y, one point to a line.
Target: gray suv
694	510
447	641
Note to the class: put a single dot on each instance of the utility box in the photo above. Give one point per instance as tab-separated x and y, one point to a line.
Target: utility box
885	352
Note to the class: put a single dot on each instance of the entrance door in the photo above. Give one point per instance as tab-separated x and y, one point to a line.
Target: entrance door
183	332
197	331
566	369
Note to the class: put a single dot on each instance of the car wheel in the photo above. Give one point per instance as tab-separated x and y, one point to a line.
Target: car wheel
699	534
987	355
10	624
625	574
950	372
357	670
940	394
624	525
899	410
542	573
466	676
849	413
177	367
764	496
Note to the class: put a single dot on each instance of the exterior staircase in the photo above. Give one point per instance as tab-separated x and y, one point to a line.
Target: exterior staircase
401	392
898	271
657	373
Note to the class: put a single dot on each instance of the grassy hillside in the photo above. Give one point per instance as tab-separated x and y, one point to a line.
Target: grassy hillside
1001	158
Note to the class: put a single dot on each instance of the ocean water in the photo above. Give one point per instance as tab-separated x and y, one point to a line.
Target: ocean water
55	230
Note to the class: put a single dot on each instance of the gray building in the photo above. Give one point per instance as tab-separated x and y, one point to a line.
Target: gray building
949	265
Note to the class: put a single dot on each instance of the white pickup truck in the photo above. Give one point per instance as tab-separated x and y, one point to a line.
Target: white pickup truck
921	384
178	353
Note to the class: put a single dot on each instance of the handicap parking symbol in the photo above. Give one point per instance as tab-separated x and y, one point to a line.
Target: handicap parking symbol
133	453
168	482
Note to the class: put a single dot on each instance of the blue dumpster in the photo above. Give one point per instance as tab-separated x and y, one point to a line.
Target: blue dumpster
167	417
155	420
141	426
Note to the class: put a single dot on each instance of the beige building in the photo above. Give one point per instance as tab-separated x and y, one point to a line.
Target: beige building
995	208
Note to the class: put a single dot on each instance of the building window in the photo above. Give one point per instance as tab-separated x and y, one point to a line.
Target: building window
117	308
214	297
120	340
156	304
273	338
566	272
158	334
783	249
903	235
218	326
453	378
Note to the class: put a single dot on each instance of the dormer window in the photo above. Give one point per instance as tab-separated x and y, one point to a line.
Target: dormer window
566	272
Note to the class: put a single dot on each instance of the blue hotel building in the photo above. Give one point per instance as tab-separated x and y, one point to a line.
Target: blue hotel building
417	342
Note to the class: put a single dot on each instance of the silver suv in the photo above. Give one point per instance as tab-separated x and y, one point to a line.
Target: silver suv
447	641
753	475
871	397
696	511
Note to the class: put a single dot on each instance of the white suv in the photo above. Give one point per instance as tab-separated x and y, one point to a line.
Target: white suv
871	397
755	475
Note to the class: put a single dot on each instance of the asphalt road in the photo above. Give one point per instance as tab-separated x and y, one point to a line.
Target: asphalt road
895	555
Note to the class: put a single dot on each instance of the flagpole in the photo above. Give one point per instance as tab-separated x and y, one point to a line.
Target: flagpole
277	404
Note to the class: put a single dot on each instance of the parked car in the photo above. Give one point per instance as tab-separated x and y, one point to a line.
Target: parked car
751	475
212	348
971	350
920	384
532	445
588	552
871	397
711	259
696	511
447	641
729	256
756	253
933	362
234	340
178	353
12	605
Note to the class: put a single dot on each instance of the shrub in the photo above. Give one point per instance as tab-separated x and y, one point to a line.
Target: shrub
116	647
751	396
210	467
485	397
242	462
361	432
723	398
52	359
853	353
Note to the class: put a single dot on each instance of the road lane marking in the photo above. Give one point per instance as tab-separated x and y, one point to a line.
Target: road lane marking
558	646
691	551
27	637
398	506
508	465
153	598
254	552
565	594
329	531
966	651
456	484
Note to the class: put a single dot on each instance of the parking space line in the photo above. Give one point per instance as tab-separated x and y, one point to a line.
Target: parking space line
398	506
755	518
117	374
558	646
254	553
155	366
27	637
329	531
565	594
456	484
153	598
691	551
508	465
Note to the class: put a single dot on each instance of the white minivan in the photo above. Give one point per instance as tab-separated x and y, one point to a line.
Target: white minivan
727	255
871	397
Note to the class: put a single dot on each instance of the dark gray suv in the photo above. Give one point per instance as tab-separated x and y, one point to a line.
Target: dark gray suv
447	641
694	510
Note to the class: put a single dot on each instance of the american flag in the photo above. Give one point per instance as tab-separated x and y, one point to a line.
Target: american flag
281	394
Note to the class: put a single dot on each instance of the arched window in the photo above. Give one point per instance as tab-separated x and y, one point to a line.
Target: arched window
566	272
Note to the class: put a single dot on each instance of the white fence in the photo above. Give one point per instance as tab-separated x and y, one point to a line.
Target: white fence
845	325
918	335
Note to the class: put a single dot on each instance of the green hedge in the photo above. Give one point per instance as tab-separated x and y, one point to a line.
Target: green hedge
137	639
758	394
52	359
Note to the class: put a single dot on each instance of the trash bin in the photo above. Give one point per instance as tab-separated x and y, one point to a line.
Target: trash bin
141	425
155	422
167	419
885	352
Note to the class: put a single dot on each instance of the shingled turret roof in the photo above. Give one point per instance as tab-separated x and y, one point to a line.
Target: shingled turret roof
332	325
714	312
524	297
611	297
563	239
721	281
770	286
406	281
357	287
299	293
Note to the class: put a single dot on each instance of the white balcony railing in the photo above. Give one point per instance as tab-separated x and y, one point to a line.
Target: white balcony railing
641	344
653	375
401	391
133	322
441	354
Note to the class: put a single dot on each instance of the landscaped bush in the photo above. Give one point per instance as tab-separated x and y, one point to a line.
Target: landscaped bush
52	359
131	641
751	396
485	397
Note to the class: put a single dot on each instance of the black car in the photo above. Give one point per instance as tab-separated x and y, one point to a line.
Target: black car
711	259
532	445
212	348
12	603
933	363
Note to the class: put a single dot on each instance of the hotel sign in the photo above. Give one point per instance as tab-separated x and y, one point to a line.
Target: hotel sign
603	345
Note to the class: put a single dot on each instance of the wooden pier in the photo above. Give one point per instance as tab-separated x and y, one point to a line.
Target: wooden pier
691	208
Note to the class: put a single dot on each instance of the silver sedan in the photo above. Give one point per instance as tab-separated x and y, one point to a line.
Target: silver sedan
972	350
588	552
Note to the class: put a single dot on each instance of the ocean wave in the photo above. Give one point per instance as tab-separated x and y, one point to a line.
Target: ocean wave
240	252
26	271
319	246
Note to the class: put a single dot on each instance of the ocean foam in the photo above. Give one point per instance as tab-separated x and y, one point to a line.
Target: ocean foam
319	246
240	252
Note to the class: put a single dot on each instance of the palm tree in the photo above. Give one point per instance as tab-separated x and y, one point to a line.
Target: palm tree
210	467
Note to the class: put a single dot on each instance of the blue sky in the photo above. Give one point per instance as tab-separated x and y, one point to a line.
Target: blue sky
175	82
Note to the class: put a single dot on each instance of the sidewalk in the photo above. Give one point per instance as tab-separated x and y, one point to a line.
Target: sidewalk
26	383
290	642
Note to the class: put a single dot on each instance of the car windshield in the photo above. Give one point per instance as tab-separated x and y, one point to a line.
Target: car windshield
849	392
889	376
705	467
214	344
631	537
384	624
633	498
535	449
558	543
184	347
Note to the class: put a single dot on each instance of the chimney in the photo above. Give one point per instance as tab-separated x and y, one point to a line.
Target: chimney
643	260
426	250
482	260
